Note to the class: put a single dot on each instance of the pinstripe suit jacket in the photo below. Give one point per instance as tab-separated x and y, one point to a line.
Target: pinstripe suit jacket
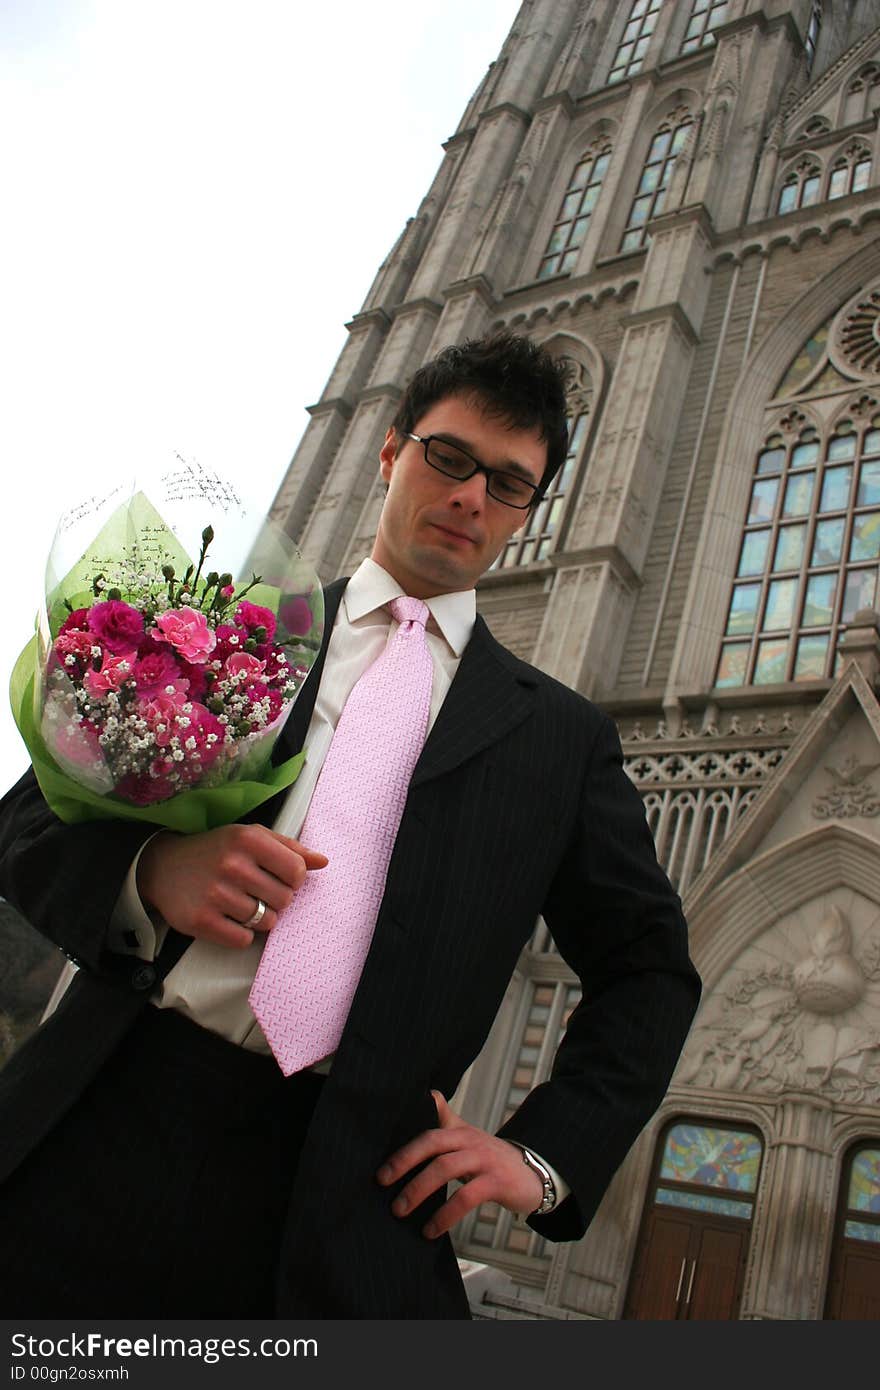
518	806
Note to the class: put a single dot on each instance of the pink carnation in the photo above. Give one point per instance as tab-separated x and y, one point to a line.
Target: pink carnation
202	725
143	789
258	693
252	616
229	639
117	625
79	618
153	673
244	667
197	677
160	713
227	591
114	672
73	642
188	633
296	615
78	744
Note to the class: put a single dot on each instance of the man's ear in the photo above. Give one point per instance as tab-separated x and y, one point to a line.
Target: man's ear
387	454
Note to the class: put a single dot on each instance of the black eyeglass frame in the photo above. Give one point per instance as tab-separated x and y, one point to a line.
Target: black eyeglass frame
537	490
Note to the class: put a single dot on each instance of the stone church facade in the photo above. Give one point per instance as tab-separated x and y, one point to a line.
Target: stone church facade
682	198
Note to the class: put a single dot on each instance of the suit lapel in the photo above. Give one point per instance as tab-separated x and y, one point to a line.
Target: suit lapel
486	699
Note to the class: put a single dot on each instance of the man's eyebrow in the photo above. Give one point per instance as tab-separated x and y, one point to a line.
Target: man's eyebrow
510	466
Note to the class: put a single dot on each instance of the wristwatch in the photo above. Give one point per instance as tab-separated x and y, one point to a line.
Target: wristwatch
548	1202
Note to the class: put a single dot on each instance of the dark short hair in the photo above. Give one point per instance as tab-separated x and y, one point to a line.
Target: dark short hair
513	377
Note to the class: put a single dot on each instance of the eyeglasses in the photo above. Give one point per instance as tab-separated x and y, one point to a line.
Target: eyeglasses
455	463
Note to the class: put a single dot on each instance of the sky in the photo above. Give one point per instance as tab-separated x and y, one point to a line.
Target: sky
197	196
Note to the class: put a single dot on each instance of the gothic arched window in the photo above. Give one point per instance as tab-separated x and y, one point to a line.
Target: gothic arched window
854	1279
809	552
809	555
659	164
575	211
850	172
800	187
705	16
635	39
535	540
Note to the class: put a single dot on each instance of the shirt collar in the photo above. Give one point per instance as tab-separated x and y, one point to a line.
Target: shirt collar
371	587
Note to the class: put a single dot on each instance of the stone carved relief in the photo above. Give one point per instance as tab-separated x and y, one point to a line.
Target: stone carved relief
579	387
800	1010
714	726
741	765
850	794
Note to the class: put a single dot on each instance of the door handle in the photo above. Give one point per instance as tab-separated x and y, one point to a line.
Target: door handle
687	1298
680	1278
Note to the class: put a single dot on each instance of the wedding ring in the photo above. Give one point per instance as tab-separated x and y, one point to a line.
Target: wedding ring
257	915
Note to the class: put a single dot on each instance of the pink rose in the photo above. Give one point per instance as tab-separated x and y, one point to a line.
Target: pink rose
296	615
188	633
114	672
252	616
117	625
244	667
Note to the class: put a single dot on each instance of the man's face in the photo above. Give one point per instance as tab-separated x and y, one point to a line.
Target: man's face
437	535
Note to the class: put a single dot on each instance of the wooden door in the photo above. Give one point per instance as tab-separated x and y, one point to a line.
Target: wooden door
689	1266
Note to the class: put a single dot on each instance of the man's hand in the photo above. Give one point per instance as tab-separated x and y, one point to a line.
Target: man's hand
490	1169
207	885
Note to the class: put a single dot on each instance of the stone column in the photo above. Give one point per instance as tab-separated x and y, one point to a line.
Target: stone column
791	1234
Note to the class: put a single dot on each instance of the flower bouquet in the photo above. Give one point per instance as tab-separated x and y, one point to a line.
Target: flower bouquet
159	679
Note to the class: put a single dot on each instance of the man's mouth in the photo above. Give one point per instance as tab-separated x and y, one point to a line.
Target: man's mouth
461	536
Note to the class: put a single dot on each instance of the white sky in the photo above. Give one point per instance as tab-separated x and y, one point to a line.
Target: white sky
197	195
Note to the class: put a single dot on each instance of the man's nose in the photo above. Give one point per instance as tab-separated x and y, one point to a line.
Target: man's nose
470	493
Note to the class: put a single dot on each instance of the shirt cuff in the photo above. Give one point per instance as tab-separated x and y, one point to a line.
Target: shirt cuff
133	930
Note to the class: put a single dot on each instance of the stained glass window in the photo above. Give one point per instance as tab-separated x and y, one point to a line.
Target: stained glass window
706	15
574	214
635	39
809	556
650	195
709	1169
863	1196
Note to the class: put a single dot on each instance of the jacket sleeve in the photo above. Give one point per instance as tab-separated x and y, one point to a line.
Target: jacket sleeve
64	879
618	924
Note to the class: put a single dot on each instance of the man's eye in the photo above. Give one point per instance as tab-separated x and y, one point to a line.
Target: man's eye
509	487
449	459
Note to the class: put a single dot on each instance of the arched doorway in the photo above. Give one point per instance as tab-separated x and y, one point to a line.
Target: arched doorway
690	1259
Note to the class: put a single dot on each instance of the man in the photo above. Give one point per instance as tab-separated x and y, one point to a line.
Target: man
159	1160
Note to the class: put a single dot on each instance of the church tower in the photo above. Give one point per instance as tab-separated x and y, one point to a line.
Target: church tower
682	199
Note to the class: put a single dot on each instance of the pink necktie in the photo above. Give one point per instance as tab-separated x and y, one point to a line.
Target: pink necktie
314	955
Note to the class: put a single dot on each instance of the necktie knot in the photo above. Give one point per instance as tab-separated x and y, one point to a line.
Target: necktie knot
409	610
